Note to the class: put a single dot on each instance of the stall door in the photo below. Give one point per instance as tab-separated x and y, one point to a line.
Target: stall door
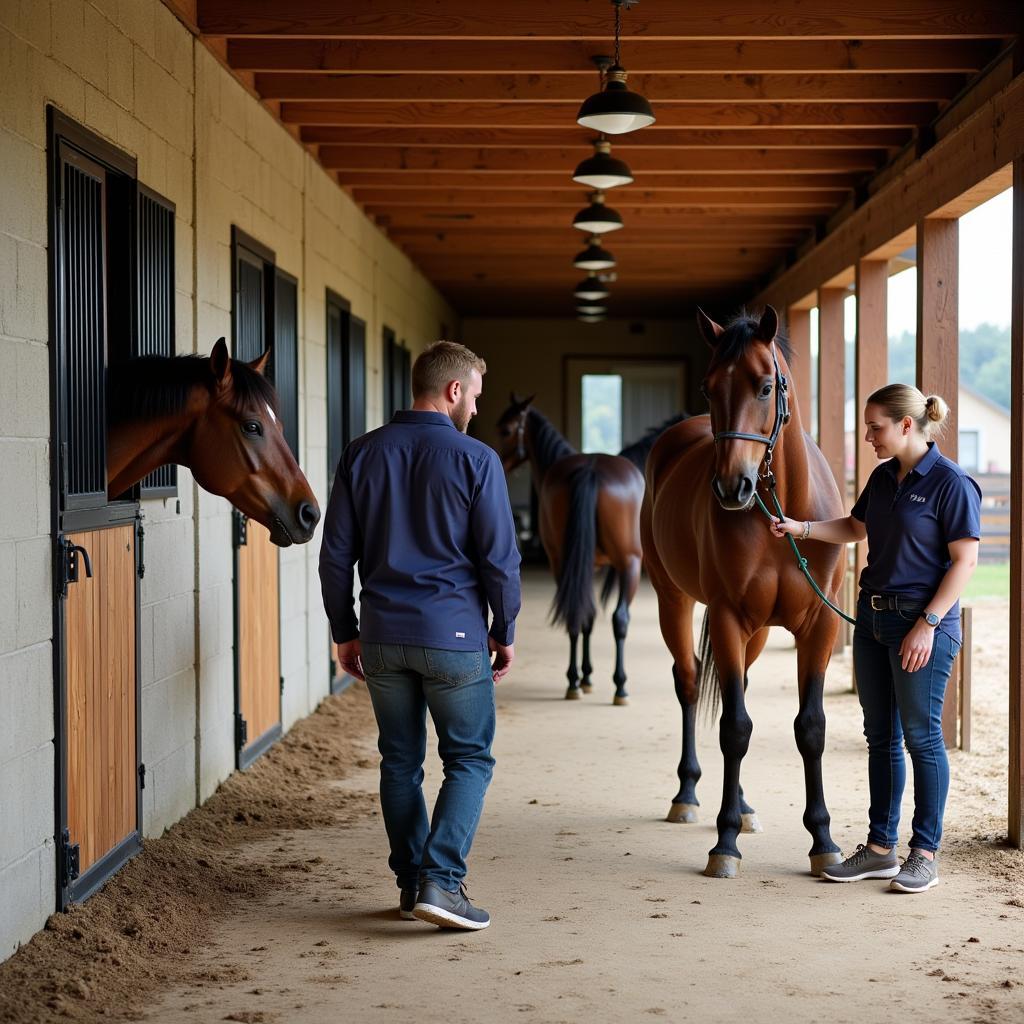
96	559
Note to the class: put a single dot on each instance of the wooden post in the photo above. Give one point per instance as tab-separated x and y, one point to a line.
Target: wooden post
965	664
799	323
1016	774
938	371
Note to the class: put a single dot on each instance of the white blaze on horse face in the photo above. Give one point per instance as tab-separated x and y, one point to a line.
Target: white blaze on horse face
270	412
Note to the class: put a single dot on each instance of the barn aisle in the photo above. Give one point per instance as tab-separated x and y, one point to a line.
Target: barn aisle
599	909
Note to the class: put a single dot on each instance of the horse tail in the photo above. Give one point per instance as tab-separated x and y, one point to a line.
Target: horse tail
574	597
608	585
709	694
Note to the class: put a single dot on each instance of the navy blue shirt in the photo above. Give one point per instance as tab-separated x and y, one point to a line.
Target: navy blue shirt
910	526
424	511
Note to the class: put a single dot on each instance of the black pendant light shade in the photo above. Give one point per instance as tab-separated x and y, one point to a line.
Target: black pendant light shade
594	257
597	218
602	170
590	289
615	110
591	310
588	318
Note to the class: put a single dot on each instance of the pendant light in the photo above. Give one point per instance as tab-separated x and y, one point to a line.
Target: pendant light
597	218
590	319
594	257
615	110
590	289
602	170
592	310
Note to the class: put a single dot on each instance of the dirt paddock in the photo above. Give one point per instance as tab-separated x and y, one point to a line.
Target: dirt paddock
273	903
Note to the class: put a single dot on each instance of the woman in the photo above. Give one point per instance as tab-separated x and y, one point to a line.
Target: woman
920	513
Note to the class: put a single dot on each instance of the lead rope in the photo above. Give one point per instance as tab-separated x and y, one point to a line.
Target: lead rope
800	560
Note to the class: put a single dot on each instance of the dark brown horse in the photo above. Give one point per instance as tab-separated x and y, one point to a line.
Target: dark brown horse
589	515
704	541
219	417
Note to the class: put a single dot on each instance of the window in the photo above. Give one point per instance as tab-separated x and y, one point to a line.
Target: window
602	413
970	447
397	375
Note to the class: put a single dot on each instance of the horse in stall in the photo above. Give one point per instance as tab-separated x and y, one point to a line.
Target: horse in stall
589	515
702	475
218	417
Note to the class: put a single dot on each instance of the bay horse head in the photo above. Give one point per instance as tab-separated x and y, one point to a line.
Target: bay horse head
512	432
747	390
219	417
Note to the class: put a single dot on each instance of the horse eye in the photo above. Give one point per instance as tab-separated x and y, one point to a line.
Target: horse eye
253	428
766	390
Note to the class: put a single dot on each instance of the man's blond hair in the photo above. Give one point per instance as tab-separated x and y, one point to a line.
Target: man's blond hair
441	363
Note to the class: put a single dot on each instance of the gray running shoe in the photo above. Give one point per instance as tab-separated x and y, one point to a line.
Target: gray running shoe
405	904
449	909
917	874
863	863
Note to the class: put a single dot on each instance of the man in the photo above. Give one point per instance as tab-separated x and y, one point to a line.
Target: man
424	511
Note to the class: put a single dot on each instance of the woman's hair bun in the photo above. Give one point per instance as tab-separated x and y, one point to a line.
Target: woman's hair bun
935	408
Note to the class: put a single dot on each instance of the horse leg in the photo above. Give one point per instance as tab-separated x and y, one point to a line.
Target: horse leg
573	693
629	580
586	668
813	653
755	645
728	644
685	802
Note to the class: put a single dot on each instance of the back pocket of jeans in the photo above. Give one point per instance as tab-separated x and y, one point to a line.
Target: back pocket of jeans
453	666
372	658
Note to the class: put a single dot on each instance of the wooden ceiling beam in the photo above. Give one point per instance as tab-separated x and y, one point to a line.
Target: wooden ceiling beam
573	56
497	181
571	200
659	89
555	115
739	219
526	161
546	138
540	19
642	234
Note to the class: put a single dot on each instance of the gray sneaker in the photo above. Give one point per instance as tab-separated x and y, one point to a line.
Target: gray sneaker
917	874
863	863
449	909
406	902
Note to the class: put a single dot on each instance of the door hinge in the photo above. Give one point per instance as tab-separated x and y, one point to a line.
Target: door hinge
241	521
67	564
142	776
241	730
69	858
140	547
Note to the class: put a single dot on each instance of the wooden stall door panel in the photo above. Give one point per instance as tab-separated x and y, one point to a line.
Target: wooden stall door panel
258	633
100	644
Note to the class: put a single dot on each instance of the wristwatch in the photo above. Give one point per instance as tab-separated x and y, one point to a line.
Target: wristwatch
931	618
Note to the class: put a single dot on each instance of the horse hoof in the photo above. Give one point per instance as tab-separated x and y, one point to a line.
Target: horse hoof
685	814
573	693
750	823
822	860
620	701
721	865
586	687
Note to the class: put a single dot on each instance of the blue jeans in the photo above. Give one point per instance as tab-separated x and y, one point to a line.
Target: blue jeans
900	706
456	687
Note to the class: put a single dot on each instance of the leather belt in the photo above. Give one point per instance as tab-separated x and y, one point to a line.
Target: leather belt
893	602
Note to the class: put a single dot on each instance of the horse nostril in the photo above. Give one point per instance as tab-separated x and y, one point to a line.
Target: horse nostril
716	486
307	514
746	489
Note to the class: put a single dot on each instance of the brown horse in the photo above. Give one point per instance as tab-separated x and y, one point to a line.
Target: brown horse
589	515
703	542
219	417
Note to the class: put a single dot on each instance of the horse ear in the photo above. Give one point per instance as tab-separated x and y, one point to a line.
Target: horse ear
709	330
260	364
528	401
769	325
220	362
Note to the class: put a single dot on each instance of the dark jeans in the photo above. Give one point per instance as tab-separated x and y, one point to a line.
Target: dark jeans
456	687
900	706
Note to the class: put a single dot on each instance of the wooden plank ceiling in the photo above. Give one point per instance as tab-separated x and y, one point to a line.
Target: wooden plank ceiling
453	124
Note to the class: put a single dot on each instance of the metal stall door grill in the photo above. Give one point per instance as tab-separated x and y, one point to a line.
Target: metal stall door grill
99	775
265	310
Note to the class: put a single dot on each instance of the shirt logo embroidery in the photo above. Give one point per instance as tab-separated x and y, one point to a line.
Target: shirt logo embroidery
917	497
460	636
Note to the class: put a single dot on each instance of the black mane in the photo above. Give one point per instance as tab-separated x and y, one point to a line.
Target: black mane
638	451
548	444
152	387
739	335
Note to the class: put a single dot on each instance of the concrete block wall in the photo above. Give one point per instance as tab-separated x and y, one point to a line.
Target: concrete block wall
131	72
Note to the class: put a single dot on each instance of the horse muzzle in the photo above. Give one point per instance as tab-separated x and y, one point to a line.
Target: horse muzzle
301	527
736	494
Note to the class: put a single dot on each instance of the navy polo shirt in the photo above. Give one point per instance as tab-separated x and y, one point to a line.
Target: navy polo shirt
910	526
424	512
